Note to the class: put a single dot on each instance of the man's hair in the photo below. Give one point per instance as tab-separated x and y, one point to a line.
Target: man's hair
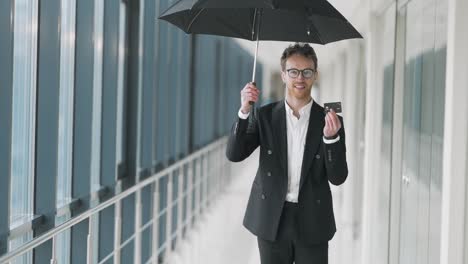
303	49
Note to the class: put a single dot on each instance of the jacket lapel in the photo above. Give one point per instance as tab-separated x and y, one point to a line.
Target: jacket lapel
280	134
313	139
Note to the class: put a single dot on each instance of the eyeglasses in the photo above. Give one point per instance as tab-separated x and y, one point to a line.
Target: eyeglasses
306	73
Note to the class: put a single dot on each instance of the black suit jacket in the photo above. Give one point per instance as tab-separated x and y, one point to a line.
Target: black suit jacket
322	163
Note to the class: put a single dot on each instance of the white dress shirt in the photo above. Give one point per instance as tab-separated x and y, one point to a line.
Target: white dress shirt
296	134
296	137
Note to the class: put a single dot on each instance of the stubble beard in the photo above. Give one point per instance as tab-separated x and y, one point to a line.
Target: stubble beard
300	95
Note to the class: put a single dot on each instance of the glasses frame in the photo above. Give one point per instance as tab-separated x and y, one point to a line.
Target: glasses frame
301	72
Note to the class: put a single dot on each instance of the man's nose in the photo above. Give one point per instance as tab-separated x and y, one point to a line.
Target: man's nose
300	76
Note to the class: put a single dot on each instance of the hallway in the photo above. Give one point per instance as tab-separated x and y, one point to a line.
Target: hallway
220	237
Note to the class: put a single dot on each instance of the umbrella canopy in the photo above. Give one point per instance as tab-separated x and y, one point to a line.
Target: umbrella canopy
234	4
312	21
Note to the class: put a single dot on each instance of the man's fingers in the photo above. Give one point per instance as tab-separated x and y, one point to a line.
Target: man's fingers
252	90
251	86
330	126
327	122
250	95
334	121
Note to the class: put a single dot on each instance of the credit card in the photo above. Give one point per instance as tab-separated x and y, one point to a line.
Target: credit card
336	106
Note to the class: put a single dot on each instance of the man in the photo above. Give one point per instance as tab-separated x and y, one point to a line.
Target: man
301	149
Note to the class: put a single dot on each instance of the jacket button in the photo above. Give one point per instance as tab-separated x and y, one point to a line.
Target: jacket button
263	197
270	152
317	156
318	201
269	174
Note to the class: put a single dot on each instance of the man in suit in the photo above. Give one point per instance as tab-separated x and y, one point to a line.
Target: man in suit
302	149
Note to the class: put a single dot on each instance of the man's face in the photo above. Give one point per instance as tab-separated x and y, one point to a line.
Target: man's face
300	86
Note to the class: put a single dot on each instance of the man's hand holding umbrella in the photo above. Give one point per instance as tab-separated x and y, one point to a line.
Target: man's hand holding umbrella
249	94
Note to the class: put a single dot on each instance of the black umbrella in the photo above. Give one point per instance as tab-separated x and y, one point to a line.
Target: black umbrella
312	21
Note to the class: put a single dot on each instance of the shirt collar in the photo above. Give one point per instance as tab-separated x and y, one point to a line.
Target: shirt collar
303	112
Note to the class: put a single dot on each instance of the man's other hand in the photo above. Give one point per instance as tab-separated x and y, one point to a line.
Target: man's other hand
332	125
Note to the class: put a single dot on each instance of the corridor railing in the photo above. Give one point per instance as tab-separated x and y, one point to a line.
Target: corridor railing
190	184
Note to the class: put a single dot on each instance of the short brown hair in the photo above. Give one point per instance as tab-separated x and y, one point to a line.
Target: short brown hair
303	49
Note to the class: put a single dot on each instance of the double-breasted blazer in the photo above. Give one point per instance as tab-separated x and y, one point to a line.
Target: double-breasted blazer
322	163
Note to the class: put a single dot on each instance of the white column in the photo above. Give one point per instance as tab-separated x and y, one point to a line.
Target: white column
138	220
372	133
155	243
117	231
453	247
353	185
169	205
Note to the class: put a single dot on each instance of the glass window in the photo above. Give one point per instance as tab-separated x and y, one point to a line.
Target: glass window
173	92
162	92
67	70
96	118
411	133
23	120
121	81
423	110
65	133
97	94
437	134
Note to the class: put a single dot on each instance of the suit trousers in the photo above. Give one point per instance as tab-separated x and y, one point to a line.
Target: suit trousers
287	249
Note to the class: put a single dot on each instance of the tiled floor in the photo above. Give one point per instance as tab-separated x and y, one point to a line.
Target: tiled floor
220	237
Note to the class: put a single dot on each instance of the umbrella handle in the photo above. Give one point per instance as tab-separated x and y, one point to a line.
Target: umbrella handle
252	103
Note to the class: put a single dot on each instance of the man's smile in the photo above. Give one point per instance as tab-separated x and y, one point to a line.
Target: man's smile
300	86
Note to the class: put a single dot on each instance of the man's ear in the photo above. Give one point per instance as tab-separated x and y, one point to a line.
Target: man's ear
283	76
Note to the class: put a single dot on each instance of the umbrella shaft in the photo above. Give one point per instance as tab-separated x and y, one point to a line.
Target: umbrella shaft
255	61
257	22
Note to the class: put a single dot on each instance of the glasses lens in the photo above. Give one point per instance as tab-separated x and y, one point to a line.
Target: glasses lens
293	73
308	73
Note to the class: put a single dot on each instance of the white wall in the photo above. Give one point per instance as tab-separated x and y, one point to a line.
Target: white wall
454	198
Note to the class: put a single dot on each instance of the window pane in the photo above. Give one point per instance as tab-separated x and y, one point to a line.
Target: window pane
63	244
23	120
423	132
121	81
411	133
440	53
162	93
17	242
65	133
97	115
24	105
97	95
67	69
